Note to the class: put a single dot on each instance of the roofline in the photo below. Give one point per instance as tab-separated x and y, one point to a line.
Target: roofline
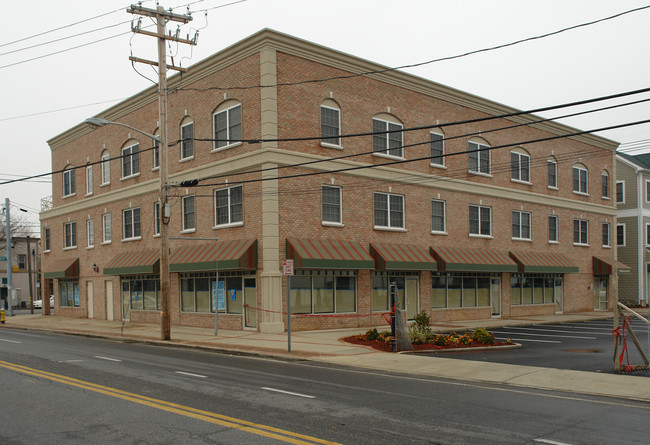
631	163
268	38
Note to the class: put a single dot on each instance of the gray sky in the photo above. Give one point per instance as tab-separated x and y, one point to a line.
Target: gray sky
597	60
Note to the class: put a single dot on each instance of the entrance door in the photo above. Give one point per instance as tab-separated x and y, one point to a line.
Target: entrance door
411	298
495	296
601	294
559	296
108	292
90	299
250	300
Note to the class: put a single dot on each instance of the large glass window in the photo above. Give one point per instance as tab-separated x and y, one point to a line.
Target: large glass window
330	125
479	158
438	216
69	293
331	202
389	210
227	127
70	234
189	219
520	166
131	227
380	284
131	160
520	225
142	292
319	292
69	186
228	206
534	288
480	220
201	292
437	149
580	180
387	139
580	232
455	290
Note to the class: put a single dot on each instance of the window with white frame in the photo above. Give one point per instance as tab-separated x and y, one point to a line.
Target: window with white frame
581	232
620	192
156	151
189	220
478	158
620	235
106	228
606	242
437	149
647	191
552	229
46	239
389	210
331	204
131	223
519	166
106	169
580	180
89	180
228	206
90	231
480	220
520	225
187	141
552	174
387	138
227	127
330	125
438	223
156	218
68	182
605	185
130	160
647	235
70	235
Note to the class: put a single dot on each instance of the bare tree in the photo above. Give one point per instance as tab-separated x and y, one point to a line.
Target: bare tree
19	227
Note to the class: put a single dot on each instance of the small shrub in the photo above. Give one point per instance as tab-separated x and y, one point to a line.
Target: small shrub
421	322
384	337
372	335
483	336
440	340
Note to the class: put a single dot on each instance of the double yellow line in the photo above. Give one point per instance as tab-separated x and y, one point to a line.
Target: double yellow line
206	416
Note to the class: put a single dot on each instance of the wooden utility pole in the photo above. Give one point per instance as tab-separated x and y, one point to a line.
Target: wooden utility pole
162	17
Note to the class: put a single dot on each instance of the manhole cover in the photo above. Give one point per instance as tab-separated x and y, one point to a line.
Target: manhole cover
583	350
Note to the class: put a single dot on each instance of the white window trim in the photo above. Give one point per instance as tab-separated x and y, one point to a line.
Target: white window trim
45	250
214	203
386	154
191	229
480	235
133	238
69	173
444	219
647	241
517	180
132	175
391	228
609	235
646	200
89	180
579	243
338	223
622	192
234	144
479	151
104	240
327	144
609	188
557	230
432	164
624	235
228	225
530	227
105	167
578	192
64	235
187	158
88	232
552	187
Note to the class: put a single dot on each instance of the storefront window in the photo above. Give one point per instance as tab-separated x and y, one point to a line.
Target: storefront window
200	292
69	293
534	288
141	292
319	292
458	290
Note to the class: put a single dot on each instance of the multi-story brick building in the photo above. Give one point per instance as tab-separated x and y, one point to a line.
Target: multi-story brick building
361	174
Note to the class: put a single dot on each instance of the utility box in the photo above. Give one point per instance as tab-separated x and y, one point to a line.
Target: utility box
15	297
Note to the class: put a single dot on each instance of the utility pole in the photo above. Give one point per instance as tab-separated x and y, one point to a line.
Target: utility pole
162	17
29	275
9	266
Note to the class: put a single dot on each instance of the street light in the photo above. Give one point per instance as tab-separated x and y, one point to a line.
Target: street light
165	333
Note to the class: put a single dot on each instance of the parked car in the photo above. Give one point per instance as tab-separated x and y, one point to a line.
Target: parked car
38	304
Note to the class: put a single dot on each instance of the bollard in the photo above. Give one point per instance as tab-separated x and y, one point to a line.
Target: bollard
2	316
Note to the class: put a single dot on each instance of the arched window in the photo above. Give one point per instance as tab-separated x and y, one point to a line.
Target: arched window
520	165
105	167
580	179
388	138
552	172
605	184
227	124
479	156
187	138
330	123
130	159
156	150
437	147
69	187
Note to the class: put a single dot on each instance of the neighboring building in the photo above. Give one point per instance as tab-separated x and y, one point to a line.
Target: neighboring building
25	256
469	222
632	193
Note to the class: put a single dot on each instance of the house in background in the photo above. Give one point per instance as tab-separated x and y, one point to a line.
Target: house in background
363	175
633	226
25	258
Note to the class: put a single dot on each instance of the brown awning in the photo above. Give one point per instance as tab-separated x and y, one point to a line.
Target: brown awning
602	267
63	268
455	259
145	261
328	254
402	257
543	262
226	255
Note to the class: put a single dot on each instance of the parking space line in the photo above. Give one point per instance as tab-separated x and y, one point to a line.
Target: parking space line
555	330
529	339
546	335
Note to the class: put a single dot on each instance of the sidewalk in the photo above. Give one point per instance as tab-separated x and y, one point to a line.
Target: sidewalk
325	346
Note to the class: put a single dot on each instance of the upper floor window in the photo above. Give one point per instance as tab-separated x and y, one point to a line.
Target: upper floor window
106	168
620	235
187	140
69	187
156	150
389	210
437	149
438	216
331	202
552	174
189	221
647	235
605	185
330	123
227	126
156	218
46	239
605	234
130	160
228	206
478	157
620	192
647	191
131	223
90	231
89	180
22	261
387	138
106	227
552	229
520	225
480	220
581	232
70	234
580	181
520	166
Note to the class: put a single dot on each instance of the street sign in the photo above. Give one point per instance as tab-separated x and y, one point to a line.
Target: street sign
3	258
287	267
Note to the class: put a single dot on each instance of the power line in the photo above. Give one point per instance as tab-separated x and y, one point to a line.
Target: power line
60	109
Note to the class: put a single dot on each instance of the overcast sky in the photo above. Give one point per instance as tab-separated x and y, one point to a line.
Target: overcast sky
592	61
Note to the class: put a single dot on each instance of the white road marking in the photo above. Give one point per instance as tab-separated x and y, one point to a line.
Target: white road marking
552	442
69	361
555	330
10	341
529	339
288	392
192	375
545	335
108	358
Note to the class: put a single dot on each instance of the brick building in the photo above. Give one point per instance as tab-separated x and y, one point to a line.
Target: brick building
439	195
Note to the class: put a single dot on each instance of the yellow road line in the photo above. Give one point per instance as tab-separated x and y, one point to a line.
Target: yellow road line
206	416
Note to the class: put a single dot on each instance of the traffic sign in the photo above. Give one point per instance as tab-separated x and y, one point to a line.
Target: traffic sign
3	258
287	267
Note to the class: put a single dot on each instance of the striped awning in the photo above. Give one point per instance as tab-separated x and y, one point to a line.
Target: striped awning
602	267
63	268
145	261
328	254
542	262
472	260
402	257
223	255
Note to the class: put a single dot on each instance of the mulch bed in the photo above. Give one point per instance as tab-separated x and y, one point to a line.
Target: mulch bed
385	347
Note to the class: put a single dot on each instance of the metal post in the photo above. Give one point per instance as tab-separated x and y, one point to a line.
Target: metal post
216	301
9	267
393	304
29	275
288	313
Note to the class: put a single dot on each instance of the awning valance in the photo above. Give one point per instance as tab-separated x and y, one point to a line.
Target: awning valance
543	262
226	255
328	254
63	268
602	267
402	257
144	261
451	259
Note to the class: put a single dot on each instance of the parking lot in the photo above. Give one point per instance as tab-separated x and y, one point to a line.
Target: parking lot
583	346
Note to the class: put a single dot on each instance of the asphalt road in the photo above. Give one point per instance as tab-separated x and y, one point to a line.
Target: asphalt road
66	389
583	346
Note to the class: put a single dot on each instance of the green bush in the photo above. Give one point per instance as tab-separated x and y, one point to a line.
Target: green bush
440	340
372	335
483	336
421	322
